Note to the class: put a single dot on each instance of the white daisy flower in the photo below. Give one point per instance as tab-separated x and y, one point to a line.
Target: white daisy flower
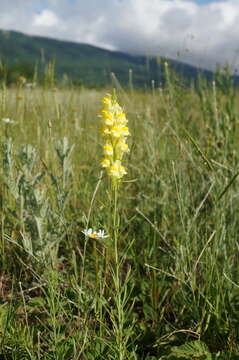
94	234
8	121
102	235
90	233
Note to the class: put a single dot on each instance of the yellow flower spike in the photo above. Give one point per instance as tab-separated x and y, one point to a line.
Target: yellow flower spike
115	133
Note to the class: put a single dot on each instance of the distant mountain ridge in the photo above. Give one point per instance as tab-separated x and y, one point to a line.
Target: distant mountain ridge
88	64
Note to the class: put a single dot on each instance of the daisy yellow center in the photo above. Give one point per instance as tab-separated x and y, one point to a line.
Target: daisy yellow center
94	235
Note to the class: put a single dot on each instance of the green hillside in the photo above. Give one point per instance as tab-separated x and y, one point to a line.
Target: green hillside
83	63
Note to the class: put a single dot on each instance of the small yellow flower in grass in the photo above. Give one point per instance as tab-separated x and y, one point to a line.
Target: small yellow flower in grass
115	133
119	131
108	118
122	147
108	150
105	163
105	130
121	119
106	100
116	170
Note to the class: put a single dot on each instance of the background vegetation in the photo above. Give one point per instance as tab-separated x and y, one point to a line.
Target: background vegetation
82	64
178	295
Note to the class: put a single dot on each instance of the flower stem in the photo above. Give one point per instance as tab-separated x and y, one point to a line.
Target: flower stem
118	301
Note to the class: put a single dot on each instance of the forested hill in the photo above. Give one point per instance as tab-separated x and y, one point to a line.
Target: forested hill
83	63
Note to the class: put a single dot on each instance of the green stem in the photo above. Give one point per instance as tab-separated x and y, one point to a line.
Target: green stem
116	226
116	223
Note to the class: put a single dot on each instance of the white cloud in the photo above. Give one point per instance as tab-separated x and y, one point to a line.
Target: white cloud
46	18
203	35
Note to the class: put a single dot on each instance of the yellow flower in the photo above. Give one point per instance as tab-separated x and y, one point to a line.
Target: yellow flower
109	122
105	130
117	171
105	163
119	131
107	99
108	149
122	147
108	118
121	119
115	133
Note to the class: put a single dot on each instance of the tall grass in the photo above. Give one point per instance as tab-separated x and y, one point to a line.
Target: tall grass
175	293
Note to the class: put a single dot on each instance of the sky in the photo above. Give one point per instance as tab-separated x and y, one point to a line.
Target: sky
200	32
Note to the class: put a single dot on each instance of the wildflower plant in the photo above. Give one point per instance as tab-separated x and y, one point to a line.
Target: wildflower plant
115	132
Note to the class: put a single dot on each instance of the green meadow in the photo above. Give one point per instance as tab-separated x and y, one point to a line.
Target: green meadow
164	284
